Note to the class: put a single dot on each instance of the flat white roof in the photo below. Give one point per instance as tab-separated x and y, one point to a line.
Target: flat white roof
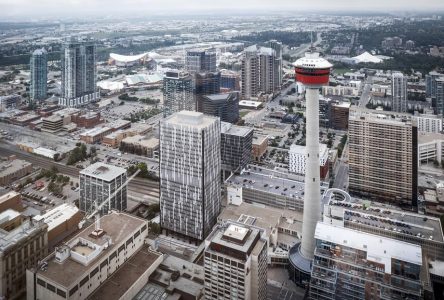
58	215
379	249
103	171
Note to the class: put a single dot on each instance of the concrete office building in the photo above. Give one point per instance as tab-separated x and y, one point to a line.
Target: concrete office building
78	64
339	115
200	61
351	264
235	147
190	165
97	183
206	83
81	267
439	99
225	106
399	92
429	123
177	92
52	124
250	73
383	156
22	245
39	75
235	262
430	148
297	159
431	83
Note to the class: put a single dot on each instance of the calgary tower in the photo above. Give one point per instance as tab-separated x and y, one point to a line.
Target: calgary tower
313	72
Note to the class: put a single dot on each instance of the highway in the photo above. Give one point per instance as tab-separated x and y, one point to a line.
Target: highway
365	96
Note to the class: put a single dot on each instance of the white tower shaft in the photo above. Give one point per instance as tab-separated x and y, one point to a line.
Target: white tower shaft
312	195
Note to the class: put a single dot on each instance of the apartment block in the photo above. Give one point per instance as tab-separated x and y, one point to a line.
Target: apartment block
383	156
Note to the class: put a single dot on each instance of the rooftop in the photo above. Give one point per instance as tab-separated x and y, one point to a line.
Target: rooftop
8	215
58	215
263	217
95	131
118	226
118	123
259	139
379	249
8	196
237	237
228	128
190	118
387	117
381	216
24	231
142	140
428	137
103	171
119	283
10	166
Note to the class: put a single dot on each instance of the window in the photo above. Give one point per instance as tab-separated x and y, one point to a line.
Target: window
113	255
84	280
143	228
103	264
94	272
121	248
51	287
73	290
129	241
136	234
41	282
61	293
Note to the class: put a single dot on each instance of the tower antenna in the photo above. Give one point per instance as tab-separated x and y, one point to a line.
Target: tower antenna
311	41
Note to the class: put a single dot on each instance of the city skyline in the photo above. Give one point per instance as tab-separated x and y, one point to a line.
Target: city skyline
82	8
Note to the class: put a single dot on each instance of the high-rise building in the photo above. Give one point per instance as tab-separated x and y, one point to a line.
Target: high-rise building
383	156
429	123
39	75
278	69
78	64
98	182
235	147
230	80
259	71
206	83
225	106
350	262
250	73
236	263
200	61
190	165
439	99
399	92
177	92
433	79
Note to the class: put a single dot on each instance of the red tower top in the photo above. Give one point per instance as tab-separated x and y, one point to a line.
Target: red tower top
312	71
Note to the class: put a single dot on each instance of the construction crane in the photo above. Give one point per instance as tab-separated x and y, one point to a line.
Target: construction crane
98	207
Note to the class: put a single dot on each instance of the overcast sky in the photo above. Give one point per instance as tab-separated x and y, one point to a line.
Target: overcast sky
43	8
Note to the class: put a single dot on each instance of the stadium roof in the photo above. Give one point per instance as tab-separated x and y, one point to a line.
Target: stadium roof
128	58
367	57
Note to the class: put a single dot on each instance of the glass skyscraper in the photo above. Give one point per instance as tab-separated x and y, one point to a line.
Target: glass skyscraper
39	75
